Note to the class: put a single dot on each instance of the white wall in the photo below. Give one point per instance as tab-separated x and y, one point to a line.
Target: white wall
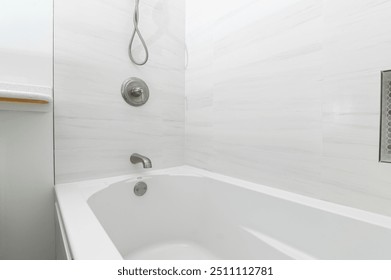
26	138
26	41
287	93
96	131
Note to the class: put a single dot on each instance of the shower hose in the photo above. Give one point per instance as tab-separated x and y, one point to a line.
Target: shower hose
137	31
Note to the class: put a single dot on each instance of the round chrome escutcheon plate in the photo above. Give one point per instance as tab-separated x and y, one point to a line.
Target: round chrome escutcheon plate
135	91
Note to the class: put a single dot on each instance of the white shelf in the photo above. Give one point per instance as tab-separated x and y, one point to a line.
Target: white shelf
17	97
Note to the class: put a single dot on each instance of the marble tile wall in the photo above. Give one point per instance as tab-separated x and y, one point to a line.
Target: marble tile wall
287	94
95	130
356	49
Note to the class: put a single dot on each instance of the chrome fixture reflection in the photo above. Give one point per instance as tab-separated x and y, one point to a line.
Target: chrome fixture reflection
135	91
137	158
385	117
137	31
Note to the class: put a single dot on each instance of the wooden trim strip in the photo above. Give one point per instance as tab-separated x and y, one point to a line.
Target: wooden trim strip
23	100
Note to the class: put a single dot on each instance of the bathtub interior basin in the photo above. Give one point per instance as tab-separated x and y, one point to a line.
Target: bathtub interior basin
188	213
180	217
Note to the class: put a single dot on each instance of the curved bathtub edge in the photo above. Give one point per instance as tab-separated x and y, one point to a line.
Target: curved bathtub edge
62	244
85	220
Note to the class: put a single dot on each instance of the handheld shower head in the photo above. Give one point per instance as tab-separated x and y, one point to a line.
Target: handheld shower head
137	31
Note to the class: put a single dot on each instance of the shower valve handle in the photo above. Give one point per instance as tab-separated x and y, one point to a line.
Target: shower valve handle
136	91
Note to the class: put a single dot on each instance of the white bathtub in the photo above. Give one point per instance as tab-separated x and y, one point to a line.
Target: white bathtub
188	213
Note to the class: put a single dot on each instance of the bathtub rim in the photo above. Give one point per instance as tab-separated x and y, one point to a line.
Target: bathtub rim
86	231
